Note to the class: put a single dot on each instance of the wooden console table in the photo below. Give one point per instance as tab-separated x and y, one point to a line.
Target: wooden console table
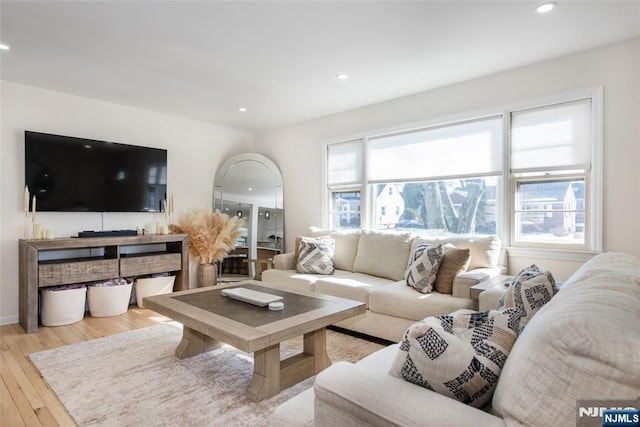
36	272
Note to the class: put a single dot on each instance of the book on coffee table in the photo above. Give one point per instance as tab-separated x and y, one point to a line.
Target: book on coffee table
258	298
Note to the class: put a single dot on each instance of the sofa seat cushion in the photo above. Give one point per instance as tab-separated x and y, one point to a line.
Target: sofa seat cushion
583	344
353	395
292	280
354	286
383	254
400	300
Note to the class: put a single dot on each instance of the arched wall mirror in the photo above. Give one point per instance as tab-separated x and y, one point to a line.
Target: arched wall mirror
250	185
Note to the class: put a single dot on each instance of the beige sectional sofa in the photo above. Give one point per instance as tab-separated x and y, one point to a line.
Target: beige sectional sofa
582	345
371	268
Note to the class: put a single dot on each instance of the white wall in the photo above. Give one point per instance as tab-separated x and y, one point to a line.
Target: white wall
195	150
297	149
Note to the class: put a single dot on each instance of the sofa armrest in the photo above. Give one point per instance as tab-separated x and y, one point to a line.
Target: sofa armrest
463	282
354	395
284	261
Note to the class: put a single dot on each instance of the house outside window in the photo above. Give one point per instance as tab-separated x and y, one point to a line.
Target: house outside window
345	211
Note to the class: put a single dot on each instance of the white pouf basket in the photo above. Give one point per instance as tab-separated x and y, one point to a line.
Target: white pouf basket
153	286
105	301
62	307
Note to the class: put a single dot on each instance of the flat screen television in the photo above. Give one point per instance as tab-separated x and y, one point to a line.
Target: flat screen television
70	174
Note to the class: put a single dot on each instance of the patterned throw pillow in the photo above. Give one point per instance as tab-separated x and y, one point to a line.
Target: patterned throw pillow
423	266
455	261
529	290
315	256
459	356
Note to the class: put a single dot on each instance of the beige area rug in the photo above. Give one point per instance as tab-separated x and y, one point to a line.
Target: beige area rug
134	379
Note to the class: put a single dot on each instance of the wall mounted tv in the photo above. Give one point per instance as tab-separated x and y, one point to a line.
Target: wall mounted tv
83	175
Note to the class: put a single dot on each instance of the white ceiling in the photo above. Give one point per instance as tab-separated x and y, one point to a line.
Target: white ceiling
204	59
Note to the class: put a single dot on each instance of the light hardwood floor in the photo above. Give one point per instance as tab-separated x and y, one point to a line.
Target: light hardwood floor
25	399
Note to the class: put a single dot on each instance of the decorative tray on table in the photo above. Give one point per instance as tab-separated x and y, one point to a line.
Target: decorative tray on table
258	298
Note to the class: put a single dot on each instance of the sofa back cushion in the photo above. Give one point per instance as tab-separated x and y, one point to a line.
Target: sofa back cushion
485	250
383	254
346	246
581	345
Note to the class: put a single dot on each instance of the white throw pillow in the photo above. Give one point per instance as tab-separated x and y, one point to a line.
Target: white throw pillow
315	256
529	290
423	267
459	355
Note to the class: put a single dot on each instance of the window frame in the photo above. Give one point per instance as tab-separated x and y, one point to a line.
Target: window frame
506	191
541	177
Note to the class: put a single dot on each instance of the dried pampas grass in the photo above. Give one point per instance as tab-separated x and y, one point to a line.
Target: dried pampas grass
212	235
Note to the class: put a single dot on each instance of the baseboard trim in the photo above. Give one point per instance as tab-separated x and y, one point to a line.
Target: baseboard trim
8	320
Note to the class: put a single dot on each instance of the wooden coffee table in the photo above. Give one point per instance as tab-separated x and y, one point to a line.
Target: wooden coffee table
210	319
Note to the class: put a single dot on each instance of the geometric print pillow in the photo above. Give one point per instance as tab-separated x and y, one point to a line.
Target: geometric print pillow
459	356
315	256
529	290
423	266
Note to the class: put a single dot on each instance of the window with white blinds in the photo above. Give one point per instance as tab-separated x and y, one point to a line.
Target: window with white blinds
552	138
532	175
471	148
345	163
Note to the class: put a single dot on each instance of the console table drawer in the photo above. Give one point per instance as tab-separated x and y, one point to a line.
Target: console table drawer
149	264
77	272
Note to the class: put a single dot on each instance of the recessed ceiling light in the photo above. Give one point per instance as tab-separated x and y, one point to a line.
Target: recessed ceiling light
4	47
343	76
242	109
546	7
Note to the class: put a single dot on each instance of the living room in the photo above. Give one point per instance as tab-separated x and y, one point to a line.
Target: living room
197	147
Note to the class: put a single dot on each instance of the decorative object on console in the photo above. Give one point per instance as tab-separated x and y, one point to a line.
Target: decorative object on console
212	235
423	266
529	290
458	355
26	212
316	256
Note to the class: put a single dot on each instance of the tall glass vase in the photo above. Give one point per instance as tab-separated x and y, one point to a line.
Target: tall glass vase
207	275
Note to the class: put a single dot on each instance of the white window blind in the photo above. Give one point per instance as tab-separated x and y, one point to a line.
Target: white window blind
463	149
551	138
344	163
